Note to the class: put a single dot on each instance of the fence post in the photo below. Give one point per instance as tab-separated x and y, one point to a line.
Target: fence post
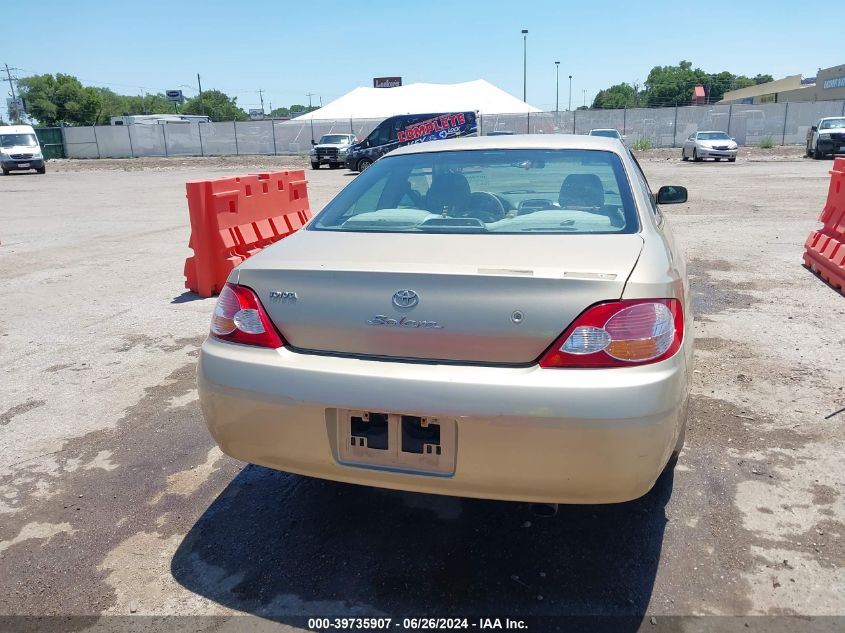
480	124
199	130
624	120
273	127
528	123
573	120
96	142
785	116
675	129
235	128
730	116
129	136
843	107
351	130
164	135
64	142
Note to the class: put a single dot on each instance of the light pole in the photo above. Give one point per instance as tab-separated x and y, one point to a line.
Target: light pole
557	86
524	64
570	94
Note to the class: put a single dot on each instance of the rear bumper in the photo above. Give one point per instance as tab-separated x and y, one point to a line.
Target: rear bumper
525	434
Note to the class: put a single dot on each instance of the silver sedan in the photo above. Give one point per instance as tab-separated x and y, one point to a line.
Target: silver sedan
499	317
716	145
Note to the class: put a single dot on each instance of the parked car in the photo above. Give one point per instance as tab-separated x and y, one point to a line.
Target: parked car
609	133
20	149
331	150
498	317
827	137
408	129
714	144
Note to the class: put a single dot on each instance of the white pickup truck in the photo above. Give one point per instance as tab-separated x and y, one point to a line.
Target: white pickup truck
827	137
331	150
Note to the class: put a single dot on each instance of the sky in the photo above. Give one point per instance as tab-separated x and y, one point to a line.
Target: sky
327	48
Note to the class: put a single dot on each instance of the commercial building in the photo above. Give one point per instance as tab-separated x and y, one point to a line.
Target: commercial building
827	85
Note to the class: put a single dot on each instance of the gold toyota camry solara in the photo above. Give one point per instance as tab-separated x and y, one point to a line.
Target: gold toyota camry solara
502	317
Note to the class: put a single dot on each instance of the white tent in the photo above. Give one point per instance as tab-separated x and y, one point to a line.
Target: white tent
373	103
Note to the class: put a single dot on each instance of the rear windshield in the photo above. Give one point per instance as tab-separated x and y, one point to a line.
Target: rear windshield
13	140
487	191
607	133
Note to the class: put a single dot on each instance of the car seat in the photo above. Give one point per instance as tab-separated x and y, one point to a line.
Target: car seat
581	191
585	192
448	190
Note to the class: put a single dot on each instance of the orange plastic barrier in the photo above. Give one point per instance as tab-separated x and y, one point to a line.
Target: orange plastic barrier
234	218
824	250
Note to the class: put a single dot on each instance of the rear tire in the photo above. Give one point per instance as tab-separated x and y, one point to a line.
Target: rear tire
684	156
717	159
732	159
363	164
315	165
5	172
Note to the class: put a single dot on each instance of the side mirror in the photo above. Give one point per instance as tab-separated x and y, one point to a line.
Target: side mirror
733	139
815	128
313	142
671	194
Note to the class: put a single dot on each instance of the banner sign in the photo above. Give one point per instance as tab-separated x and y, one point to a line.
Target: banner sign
387	82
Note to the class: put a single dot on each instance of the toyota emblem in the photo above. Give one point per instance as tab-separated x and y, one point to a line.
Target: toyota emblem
405	298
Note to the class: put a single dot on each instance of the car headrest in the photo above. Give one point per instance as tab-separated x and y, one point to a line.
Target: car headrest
448	190
581	190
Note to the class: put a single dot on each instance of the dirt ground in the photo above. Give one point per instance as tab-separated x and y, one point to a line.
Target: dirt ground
114	500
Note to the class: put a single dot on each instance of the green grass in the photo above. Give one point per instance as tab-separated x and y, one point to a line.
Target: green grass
767	142
643	144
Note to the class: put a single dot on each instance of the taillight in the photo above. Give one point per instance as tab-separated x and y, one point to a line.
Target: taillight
620	334
239	317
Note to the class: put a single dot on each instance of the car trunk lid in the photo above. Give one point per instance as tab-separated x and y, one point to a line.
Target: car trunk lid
490	299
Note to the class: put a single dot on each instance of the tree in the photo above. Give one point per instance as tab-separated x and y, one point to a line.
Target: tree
113	104
59	99
619	96
279	113
218	105
672	85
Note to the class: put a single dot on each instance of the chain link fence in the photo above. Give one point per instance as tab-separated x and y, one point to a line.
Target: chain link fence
780	123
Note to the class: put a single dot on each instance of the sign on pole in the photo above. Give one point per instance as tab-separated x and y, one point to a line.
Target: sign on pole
175	96
15	105
256	114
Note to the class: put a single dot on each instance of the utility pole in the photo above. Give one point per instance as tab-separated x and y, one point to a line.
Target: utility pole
309	95
524	64
585	97
569	109
261	97
199	85
557	87
14	114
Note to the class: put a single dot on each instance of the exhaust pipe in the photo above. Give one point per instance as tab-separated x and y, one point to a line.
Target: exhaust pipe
544	510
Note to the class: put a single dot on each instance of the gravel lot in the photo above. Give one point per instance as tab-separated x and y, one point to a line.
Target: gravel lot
114	500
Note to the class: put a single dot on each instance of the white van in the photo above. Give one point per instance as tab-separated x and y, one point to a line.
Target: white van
20	150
